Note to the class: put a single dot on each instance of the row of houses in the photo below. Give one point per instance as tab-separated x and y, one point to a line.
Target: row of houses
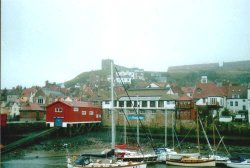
151	103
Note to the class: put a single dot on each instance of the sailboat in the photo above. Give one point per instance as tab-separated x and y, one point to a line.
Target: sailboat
219	160
239	162
170	153
87	162
163	152
192	161
135	153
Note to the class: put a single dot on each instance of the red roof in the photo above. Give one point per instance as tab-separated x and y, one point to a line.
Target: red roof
28	91
185	98
188	89
31	107
207	90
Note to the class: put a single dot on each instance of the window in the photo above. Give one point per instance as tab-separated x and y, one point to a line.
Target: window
91	112
40	100
244	107
144	104
161	103
106	102
129	104
121	103
199	90
58	109
236	103
152	103
97	115
84	113
231	103
135	103
75	109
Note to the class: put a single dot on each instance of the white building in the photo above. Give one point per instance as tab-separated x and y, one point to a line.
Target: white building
127	76
237	101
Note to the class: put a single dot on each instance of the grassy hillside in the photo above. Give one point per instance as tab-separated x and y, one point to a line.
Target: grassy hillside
233	72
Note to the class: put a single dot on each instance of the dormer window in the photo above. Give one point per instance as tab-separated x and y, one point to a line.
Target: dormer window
199	90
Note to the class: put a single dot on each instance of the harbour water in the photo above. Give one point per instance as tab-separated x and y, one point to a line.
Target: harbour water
52	153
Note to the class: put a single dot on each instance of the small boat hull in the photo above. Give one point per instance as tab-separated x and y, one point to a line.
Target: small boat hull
244	164
192	162
106	164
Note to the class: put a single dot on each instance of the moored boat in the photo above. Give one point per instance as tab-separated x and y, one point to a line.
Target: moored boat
134	155
162	153
86	162
192	162
240	162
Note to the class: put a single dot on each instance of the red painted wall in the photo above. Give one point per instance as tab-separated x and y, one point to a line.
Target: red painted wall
69	115
3	120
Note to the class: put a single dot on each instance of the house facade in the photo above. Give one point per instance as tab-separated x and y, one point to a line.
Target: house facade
31	112
209	96
46	96
149	104
237	102
65	113
15	113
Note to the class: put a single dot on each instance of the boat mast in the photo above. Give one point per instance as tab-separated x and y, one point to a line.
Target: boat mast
112	108
125	124
197	129
173	128
137	111
166	118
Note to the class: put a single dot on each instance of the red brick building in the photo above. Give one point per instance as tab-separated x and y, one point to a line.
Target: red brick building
64	113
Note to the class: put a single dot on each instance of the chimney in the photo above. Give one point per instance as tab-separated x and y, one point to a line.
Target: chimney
203	79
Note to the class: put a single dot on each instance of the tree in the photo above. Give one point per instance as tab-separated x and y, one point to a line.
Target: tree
225	112
3	95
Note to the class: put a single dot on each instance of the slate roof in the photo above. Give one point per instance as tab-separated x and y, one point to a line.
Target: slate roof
79	104
237	90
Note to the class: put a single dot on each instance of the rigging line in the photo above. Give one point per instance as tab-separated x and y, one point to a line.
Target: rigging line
135	109
210	147
176	136
222	140
187	134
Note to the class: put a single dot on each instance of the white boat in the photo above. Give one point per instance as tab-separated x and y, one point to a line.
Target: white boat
132	155
239	163
178	156
219	160
85	161
162	153
192	159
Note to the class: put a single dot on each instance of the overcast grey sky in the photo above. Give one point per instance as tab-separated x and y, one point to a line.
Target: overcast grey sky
56	40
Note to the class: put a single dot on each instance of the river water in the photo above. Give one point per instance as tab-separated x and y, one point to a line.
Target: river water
52	153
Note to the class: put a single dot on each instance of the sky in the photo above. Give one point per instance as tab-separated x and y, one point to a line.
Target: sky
56	40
